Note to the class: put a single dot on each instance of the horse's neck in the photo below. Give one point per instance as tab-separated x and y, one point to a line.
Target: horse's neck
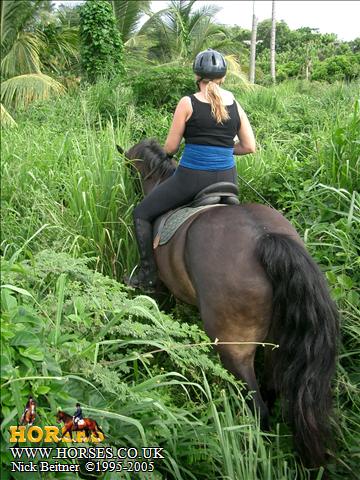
66	417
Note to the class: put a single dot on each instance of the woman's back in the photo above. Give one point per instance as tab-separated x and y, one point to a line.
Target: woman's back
202	128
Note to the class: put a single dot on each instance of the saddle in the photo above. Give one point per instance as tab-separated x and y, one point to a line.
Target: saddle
218	194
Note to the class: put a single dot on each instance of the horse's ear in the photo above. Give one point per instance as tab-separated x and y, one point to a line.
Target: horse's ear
120	149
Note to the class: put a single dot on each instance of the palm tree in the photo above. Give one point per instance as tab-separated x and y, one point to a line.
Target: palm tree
253	46
272	43
179	32
22	45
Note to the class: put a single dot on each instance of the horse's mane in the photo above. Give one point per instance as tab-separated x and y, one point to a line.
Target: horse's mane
154	158
64	414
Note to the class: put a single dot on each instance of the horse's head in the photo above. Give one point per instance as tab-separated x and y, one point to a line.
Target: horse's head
60	416
151	161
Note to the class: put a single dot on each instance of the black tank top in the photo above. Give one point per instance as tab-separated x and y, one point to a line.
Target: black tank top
202	129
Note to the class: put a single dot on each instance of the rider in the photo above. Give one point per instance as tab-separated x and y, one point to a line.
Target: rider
77	415
209	121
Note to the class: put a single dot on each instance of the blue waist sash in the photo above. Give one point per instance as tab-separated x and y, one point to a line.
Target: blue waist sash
207	157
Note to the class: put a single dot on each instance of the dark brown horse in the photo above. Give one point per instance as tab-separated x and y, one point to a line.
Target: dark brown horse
87	425
247	270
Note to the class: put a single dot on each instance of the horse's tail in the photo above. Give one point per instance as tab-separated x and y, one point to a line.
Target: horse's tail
305	325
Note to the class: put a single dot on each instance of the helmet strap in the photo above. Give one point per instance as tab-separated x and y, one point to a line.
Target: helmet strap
198	83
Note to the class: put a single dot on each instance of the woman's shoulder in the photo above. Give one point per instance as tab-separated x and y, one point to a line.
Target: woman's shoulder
228	97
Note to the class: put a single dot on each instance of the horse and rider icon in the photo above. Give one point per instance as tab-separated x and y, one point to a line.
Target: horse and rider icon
77	422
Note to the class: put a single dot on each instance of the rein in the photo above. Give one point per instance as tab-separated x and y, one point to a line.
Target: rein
148	175
257	193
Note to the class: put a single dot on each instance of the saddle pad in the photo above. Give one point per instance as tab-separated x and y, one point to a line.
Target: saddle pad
176	219
81	422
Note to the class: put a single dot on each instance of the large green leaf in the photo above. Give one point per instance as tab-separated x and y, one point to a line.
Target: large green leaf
25	339
32	352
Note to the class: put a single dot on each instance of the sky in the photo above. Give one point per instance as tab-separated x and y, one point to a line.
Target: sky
334	16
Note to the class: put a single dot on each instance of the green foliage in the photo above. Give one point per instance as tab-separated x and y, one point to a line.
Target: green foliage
101	45
283	36
140	373
71	220
30	48
339	67
61	48
306	53
108	100
163	86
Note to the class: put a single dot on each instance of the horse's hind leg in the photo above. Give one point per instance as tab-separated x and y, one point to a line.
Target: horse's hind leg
268	389
239	360
245	322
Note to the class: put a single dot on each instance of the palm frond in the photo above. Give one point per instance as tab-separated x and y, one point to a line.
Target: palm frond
5	118
153	21
208	11
21	90
16	16
23	57
235	73
128	14
61	49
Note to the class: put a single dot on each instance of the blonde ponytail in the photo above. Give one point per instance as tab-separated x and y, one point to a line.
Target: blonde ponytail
213	96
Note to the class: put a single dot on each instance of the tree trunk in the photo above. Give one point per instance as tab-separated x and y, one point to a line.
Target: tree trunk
272	43
308	68
253	48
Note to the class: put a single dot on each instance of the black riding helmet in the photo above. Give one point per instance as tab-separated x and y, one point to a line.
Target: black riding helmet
210	64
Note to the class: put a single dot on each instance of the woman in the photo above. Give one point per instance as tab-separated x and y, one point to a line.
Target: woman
77	415
209	121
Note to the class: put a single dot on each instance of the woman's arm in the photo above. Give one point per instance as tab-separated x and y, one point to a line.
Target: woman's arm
182	113
246	137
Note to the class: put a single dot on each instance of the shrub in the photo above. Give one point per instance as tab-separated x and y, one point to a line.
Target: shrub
339	67
163	86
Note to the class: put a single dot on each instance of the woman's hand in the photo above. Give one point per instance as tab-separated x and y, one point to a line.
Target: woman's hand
246	137
182	113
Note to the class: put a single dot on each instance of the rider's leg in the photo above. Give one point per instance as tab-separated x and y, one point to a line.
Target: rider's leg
173	192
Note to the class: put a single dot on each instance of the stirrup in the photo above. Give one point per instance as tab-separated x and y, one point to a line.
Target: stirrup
143	281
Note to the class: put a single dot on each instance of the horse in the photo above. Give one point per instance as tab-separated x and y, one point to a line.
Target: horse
87	424
261	285
29	415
